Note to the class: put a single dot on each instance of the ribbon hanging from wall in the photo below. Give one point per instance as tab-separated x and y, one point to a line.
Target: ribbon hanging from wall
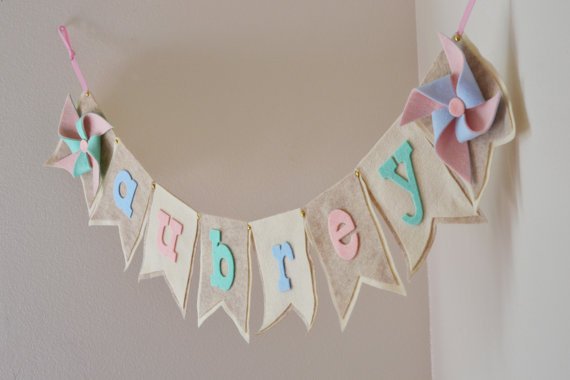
430	167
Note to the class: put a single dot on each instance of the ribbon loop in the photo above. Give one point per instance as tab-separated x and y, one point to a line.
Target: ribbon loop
64	35
465	18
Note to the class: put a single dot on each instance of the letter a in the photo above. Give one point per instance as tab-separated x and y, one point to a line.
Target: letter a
280	252
168	250
388	171
340	226
220	252
124	203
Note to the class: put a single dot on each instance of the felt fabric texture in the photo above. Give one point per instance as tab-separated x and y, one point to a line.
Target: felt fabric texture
88	104
234	301
85	105
442	198
82	135
389	170
155	263
341	226
288	227
500	132
459	112
107	213
372	264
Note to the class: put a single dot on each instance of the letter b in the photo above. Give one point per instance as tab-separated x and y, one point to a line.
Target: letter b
221	252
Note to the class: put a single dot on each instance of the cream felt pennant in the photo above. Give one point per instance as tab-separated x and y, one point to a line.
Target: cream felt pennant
502	129
350	244
123	199
413	189
225	270
85	105
286	269
170	243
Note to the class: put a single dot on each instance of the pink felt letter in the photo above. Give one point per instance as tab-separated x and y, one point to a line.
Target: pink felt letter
168	250
340	226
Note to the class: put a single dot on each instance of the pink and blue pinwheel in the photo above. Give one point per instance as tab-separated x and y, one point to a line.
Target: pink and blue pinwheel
459	112
82	135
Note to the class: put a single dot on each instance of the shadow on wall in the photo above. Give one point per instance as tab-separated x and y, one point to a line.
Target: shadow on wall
504	197
507	186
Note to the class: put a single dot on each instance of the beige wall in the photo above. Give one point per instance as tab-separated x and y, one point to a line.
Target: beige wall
499	292
241	108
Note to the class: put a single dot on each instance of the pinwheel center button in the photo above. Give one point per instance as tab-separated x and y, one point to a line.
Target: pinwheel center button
83	146
456	107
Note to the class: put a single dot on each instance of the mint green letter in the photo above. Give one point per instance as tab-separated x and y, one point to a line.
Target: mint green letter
388	171
220	252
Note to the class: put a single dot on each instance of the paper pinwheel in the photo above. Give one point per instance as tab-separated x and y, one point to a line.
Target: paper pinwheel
459	112
82	135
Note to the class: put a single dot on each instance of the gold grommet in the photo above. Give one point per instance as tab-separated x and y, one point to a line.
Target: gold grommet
249	227
116	140
87	93
153	185
357	173
457	37
303	213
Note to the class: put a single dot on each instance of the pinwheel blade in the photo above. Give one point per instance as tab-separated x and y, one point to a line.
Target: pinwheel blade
418	106
478	120
453	153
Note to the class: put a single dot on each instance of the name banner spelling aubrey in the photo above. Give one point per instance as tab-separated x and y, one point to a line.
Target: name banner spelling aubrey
431	166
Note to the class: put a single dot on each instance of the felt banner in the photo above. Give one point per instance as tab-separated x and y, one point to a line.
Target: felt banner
351	246
225	270
123	199
502	129
69	114
170	243
286	269
430	167
413	189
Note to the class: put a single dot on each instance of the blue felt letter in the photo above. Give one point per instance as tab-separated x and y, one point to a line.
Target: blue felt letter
280	252
388	171
124	203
